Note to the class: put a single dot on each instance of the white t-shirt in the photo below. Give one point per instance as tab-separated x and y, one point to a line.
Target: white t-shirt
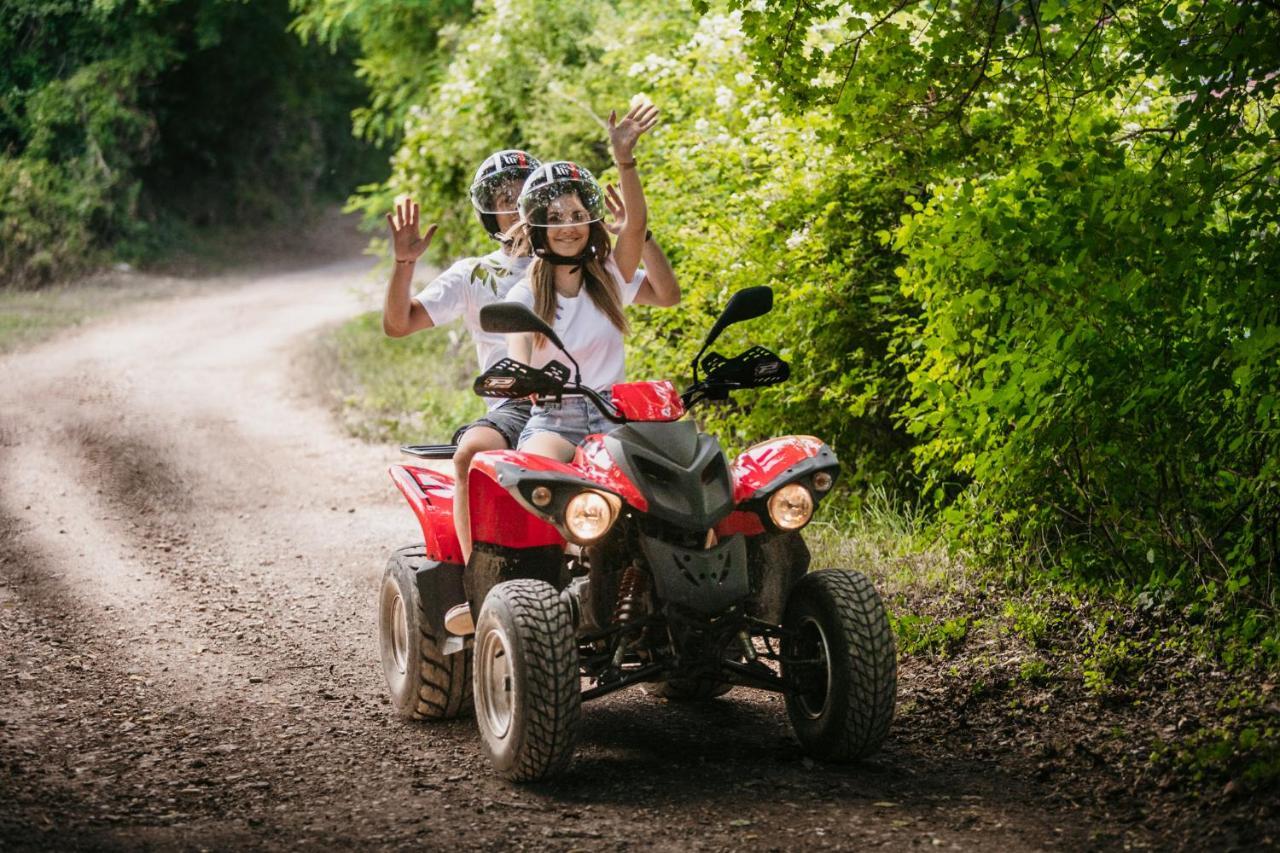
466	287
585	331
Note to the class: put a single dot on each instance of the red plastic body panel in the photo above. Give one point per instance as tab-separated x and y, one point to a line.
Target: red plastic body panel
593	462
740	521
497	517
430	493
761	464
648	401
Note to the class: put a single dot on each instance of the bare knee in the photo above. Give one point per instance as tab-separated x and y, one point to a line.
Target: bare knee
475	440
549	444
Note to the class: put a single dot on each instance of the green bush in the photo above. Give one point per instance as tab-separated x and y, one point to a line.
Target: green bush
1023	256
1096	364
121	123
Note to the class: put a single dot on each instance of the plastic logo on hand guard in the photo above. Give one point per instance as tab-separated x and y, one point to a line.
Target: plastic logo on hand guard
509	379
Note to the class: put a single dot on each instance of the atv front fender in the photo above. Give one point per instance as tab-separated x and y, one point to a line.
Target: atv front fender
765	467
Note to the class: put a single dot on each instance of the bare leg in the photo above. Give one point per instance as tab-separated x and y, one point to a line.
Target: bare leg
458	619
474	440
548	444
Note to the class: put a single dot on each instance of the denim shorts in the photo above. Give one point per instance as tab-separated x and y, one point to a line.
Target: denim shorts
508	419
573	419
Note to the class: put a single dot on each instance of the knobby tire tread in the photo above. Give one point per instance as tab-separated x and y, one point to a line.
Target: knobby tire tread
549	655
869	639
444	681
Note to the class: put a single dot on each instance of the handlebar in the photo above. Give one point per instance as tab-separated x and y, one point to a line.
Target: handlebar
756	367
510	379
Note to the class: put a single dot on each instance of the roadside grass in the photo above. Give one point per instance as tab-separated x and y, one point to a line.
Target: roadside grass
1060	677
1049	660
28	317
179	264
411	390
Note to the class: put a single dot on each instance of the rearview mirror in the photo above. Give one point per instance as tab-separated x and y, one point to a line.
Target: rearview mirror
746	304
512	318
509	318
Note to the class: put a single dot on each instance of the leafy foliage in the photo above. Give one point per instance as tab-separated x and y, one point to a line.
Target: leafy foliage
740	194
1023	252
123	122
1091	251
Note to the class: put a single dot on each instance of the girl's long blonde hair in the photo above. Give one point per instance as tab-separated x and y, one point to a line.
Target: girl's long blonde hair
599	285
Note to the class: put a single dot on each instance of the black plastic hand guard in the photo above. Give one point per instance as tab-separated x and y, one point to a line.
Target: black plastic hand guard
510	379
754	368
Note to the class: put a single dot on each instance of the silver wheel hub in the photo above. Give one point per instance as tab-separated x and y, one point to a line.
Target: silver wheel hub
400	635
494	684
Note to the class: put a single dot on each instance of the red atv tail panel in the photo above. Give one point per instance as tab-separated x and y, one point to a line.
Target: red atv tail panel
430	493
761	464
592	459
496	516
648	401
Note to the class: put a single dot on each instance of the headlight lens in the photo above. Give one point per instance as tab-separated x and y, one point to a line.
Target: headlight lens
791	507
588	516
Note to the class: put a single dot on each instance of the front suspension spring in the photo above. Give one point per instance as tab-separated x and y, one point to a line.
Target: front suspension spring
631	590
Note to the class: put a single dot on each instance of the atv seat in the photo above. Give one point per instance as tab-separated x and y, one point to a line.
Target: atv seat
430	451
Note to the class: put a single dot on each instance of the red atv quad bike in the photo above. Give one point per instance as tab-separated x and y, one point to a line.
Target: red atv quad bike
648	559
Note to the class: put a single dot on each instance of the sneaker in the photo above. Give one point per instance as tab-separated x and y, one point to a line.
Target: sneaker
457	620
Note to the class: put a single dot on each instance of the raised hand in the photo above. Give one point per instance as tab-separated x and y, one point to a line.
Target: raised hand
640	119
405	239
617	210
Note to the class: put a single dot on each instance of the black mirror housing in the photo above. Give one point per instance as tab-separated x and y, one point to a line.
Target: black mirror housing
746	304
509	318
512	318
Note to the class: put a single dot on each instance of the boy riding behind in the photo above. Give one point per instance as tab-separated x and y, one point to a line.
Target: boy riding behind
461	291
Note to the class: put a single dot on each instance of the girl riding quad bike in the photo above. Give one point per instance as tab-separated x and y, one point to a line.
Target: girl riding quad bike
648	558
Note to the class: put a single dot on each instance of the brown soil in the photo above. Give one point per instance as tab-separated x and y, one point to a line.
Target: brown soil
189	557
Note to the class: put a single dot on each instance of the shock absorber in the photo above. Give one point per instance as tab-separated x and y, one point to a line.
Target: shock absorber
631	590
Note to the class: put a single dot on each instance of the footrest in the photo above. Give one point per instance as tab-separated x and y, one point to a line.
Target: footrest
429	451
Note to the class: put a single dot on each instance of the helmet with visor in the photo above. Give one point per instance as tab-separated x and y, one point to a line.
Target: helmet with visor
559	195
496	187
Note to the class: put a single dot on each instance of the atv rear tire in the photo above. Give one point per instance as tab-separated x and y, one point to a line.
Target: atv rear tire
527	693
424	684
843	701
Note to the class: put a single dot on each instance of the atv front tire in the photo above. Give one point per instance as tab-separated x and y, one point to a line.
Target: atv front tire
839	653
424	684
527	693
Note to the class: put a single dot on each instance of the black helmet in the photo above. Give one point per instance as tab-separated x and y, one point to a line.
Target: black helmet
496	172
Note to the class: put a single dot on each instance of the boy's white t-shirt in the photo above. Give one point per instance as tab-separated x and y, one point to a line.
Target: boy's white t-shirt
585	331
466	287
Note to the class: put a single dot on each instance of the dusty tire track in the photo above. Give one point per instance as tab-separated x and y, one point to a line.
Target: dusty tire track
189	564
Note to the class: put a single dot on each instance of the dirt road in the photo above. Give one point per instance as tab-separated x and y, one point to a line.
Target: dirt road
189	556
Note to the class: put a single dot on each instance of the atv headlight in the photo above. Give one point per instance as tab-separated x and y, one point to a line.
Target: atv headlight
791	507
589	515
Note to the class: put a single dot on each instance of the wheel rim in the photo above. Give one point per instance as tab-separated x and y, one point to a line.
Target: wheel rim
494	687
811	644
400	635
